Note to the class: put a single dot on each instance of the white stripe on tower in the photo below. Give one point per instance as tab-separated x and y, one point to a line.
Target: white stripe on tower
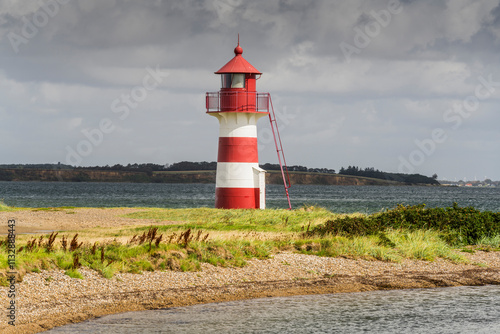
236	175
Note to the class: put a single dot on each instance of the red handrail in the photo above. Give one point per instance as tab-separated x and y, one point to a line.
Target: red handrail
237	101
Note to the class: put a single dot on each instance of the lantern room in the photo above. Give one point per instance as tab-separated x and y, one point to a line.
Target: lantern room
238	88
238	74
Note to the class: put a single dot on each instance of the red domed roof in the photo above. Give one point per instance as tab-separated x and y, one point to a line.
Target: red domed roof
238	64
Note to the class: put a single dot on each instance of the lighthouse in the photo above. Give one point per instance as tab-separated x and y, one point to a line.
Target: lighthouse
240	182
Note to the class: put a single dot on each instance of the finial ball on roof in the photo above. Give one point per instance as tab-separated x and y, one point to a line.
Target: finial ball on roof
238	50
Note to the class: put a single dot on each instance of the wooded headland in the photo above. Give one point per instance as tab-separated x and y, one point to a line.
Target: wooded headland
199	176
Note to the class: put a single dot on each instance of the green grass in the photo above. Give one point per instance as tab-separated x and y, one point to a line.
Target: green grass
113	257
73	273
4	281
422	245
60	208
5	208
418	245
493	241
229	238
136	257
270	220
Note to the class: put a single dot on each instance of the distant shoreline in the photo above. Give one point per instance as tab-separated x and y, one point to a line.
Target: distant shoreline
207	176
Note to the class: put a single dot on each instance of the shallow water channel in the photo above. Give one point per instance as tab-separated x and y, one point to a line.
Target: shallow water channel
444	310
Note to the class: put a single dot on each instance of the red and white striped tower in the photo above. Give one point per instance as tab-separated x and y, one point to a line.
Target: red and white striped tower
240	183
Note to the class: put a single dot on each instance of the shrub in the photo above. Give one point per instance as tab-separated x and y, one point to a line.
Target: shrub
457	225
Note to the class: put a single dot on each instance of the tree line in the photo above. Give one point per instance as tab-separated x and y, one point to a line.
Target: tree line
376	174
150	167
297	168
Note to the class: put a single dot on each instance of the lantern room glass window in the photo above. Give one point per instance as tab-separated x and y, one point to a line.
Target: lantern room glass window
233	80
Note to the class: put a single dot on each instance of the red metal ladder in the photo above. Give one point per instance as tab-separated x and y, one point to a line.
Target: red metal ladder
279	151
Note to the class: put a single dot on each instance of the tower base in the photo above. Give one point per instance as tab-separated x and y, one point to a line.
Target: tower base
237	198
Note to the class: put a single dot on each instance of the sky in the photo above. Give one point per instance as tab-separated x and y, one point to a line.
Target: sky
401	86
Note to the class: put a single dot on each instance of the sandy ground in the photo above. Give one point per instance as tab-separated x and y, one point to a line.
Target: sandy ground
50	298
33	221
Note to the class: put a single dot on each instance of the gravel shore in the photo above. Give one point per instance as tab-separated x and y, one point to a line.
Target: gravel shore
50	298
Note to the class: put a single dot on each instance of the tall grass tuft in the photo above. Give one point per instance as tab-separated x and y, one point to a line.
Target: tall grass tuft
73	273
64	243
422	245
393	245
49	245
491	241
74	245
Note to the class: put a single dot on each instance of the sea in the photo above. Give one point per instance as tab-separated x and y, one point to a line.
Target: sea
340	199
444	310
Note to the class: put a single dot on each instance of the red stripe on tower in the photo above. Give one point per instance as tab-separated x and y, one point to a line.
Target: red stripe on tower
238	149
237	198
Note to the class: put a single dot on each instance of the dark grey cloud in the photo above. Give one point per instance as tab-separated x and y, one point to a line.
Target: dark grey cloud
495	13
